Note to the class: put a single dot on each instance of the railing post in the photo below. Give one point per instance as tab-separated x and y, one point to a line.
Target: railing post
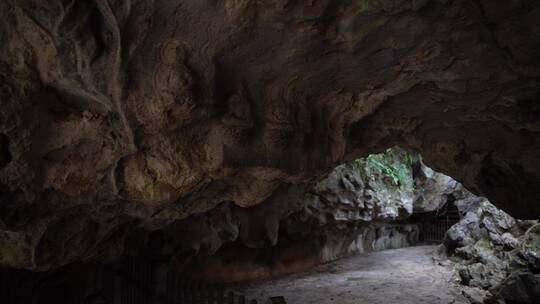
198	293
190	293
212	295
242	299
230	297
220	295
182	292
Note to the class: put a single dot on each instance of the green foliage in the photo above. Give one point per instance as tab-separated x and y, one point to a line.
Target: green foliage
396	164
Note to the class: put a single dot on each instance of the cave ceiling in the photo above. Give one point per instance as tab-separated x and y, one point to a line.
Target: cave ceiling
124	115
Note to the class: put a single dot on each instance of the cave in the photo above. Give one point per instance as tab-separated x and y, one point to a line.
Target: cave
187	145
373	229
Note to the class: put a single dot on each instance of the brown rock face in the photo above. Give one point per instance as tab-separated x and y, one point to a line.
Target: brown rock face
119	115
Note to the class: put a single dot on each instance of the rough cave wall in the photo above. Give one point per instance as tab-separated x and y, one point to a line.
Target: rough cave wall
491	250
357	207
125	115
235	263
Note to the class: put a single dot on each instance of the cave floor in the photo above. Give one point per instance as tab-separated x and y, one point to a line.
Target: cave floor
403	276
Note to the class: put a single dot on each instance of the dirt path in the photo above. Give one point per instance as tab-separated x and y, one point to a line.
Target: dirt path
404	276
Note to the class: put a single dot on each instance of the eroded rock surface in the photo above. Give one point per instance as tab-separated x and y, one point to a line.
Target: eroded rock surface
496	252
358	207
363	190
401	276
125	115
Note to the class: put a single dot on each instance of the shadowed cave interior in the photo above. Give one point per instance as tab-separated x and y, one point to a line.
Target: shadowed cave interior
298	151
325	249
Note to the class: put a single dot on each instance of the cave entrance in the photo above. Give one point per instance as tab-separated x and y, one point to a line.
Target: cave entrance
493	256
372	220
388	200
386	218
365	232
434	225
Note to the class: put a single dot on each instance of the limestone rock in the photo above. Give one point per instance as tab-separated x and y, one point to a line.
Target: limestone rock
495	252
521	287
131	115
361	191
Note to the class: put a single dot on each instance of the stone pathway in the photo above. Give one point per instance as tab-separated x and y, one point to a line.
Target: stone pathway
404	276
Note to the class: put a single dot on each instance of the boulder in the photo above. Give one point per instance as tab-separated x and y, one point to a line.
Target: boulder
522	287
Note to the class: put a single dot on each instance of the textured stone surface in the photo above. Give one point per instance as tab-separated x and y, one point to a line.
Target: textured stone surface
362	191
296	253
402	276
521	287
432	190
125	115
354	208
495	252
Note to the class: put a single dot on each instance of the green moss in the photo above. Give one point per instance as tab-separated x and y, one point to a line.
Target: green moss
484	244
396	164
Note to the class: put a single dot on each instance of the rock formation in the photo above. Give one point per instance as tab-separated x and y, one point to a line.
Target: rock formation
119	118
357	207
495	252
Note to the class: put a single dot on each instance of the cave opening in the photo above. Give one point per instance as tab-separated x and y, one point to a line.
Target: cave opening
388	200
159	151
384	227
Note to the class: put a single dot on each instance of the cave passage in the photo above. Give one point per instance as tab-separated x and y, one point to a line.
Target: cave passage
384	201
396	276
158	151
355	217
386	229
381	229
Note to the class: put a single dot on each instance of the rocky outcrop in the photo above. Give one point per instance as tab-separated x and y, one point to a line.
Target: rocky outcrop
496	252
434	190
296	253
130	115
377	188
357	207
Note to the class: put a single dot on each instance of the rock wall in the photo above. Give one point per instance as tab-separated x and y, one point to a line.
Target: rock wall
377	188
493	251
357	207
124	115
293	254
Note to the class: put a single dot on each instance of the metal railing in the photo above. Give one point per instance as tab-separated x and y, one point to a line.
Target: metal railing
433	232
